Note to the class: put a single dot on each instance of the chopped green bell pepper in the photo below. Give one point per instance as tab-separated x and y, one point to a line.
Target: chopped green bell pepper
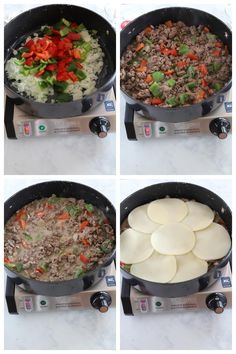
211	36
171	82
66	23
172	101
191	85
155	89
158	76
64	31
183	98
216	66
217	86
183	49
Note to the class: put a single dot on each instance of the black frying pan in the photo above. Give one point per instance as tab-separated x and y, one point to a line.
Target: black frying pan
177	190
191	17
26	23
60	189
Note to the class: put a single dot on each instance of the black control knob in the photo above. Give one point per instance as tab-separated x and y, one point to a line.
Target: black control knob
216	302
100	126
220	127
101	301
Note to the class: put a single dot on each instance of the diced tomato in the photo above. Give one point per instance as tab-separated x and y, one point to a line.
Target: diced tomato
62	76
83	225
39	73
181	64
148	30
72	76
168	24
156	101
76	53
203	69
51	67
204	83
216	53
27	54
73	36
64	216
29	61
169	72
218	44
192	56
83	259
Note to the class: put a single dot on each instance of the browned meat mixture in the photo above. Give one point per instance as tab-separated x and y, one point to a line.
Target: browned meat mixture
175	65
57	239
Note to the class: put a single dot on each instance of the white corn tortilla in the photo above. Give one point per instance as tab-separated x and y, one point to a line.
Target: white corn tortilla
167	210
139	220
199	216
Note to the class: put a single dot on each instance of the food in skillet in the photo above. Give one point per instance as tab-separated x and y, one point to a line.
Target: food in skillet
175	65
59	63
57	239
172	240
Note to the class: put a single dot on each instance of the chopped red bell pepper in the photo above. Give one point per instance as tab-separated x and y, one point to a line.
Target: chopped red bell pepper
22	224
72	76
165	51
27	54
39	270
181	64
62	76
216	53
85	242
173	52
192	56
169	24
156	101
73	25
40	72
64	216
29	61
79	66
203	69
204	83
83	259
168	72
76	53
51	67
73	36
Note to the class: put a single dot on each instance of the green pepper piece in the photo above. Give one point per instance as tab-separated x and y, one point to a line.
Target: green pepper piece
10	265
73	210
47	31
89	207
66	23
43	84
171	82
211	36
172	101
191	85
58	25
80	74
191	71
104	249
64	97
216	66
93	33
217	86
52	61
45	267
183	49
86	46
64	31
19	267
155	89
183	98
78	273
59	87
28	237
210	69
19	61
158	76
50	80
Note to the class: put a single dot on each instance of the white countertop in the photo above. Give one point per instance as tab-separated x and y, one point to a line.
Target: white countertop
65	154
69	330
175	155
183	330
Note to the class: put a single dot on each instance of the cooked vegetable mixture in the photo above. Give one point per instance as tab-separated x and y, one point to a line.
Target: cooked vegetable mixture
57	239
59	63
175	65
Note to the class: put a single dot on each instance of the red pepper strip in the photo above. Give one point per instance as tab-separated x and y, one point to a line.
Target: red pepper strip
64	216
29	43
173	52
80	66
39	270
22	224
203	69
169	72
165	51
39	73
29	61
139	47
62	76
192	56
149	79
181	64
83	258
27	54
156	101
73	36
85	242
76	53
200	95
55	31
20	213
72	76
7	260
83	225
216	53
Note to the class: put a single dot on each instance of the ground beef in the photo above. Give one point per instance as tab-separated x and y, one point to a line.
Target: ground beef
195	60
57	239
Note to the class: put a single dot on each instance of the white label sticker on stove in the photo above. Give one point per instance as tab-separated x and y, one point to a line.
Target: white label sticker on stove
186	128
109	106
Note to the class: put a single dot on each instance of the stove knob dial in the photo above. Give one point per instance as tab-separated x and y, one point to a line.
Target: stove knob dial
100	126
216	302
220	127
101	301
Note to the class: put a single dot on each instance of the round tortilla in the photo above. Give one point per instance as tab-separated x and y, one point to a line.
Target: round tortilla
173	239
189	267
138	219
167	210
157	268
134	246
212	243
199	216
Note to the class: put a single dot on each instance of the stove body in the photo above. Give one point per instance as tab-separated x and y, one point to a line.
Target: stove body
99	121
218	123
215	298
99	297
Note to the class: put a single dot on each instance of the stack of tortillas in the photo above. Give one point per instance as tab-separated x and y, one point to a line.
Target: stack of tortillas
170	241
